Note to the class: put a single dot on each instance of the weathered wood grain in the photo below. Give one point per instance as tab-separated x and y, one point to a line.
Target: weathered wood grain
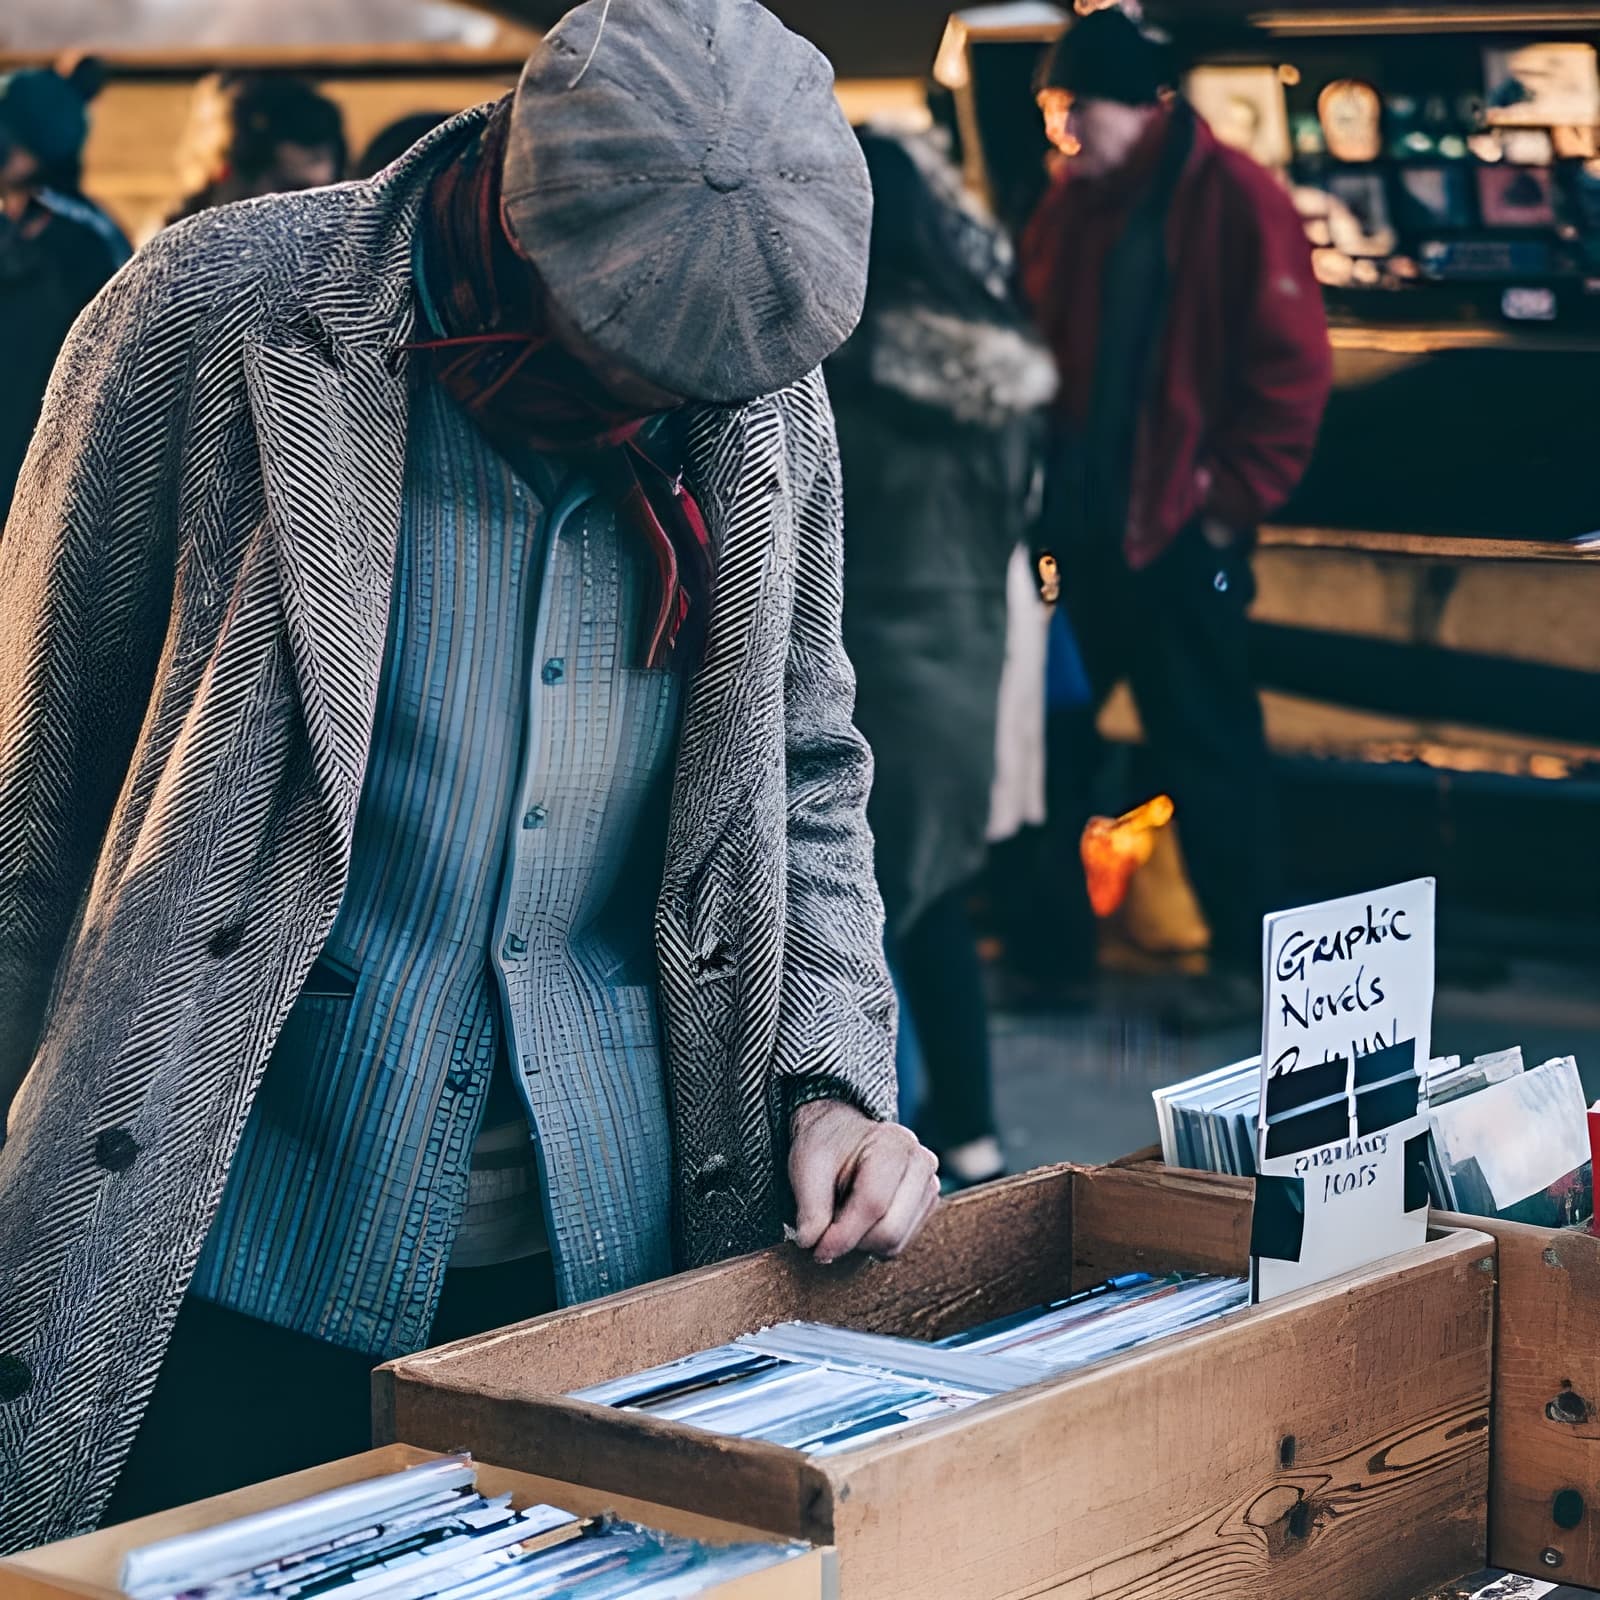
1546	1455
1204	1226
1331	1444
621	1453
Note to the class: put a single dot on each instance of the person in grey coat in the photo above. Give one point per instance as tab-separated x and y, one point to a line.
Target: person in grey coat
939	398
423	717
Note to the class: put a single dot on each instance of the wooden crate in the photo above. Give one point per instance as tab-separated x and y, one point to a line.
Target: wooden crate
90	1566
1544	1436
1544	1496
1331	1443
1544	1479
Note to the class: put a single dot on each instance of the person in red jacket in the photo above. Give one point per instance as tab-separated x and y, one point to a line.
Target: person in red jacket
1173	282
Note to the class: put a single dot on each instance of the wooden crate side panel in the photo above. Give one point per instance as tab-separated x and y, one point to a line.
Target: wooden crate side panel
984	1254
16	1583
1335	1443
1546	1436
1158	1219
744	1481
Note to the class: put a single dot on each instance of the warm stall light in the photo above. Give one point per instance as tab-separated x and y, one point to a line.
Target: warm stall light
1113	849
951	68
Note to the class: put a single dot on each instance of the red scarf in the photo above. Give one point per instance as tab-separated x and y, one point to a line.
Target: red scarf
503	365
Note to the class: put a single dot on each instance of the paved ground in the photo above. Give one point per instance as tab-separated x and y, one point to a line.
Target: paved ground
1076	1086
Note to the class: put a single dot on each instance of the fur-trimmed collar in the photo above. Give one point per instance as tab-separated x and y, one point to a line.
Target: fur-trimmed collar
982	374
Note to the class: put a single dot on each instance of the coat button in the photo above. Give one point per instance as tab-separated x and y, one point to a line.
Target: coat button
555	669
717	958
225	941
16	1377
535	817
715	1177
116	1149
515	946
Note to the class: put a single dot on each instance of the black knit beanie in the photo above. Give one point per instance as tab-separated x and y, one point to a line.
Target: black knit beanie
1104	56
46	114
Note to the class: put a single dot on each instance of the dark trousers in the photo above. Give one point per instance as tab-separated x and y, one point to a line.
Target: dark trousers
1178	634
936	962
239	1401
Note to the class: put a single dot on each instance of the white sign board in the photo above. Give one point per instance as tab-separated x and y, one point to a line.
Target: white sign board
1345	1042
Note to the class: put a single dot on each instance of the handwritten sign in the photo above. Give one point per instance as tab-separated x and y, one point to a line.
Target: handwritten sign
1349	977
1346	1034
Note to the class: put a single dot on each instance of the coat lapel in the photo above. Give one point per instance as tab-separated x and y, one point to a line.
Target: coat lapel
329	400
333	469
735	468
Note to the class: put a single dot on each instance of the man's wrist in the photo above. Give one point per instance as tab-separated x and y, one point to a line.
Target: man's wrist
813	1096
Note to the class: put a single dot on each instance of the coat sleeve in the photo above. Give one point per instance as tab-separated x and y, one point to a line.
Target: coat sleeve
86	576
1262	448
838	1006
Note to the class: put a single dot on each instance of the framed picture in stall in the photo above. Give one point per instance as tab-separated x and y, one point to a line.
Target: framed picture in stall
1245	107
1542	85
1360	220
1516	197
1434	198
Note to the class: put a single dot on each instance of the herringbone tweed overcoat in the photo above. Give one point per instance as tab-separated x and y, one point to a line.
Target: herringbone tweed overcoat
194	594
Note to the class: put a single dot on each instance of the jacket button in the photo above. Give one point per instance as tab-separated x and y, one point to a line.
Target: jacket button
225	941
715	1177
714	960
116	1149
554	670
16	1377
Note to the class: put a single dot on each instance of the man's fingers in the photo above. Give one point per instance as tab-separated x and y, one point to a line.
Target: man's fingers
913	1205
873	1188
814	1179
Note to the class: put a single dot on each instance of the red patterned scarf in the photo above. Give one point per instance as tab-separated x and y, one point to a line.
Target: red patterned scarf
500	361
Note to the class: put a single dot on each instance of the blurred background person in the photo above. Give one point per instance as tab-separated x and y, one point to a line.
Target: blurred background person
938	398
56	247
1173	283
389	143
256	134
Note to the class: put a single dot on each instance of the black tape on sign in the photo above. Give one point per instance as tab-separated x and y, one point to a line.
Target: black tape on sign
1417	1172
1288	1091
1278	1226
1390	1062
1385	1104
1310	1129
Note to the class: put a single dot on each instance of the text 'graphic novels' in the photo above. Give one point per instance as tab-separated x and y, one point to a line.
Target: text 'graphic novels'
1341	1135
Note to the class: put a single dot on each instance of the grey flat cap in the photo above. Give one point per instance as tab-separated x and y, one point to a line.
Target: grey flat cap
690	193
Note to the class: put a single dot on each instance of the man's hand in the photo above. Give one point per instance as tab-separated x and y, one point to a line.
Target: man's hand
858	1184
